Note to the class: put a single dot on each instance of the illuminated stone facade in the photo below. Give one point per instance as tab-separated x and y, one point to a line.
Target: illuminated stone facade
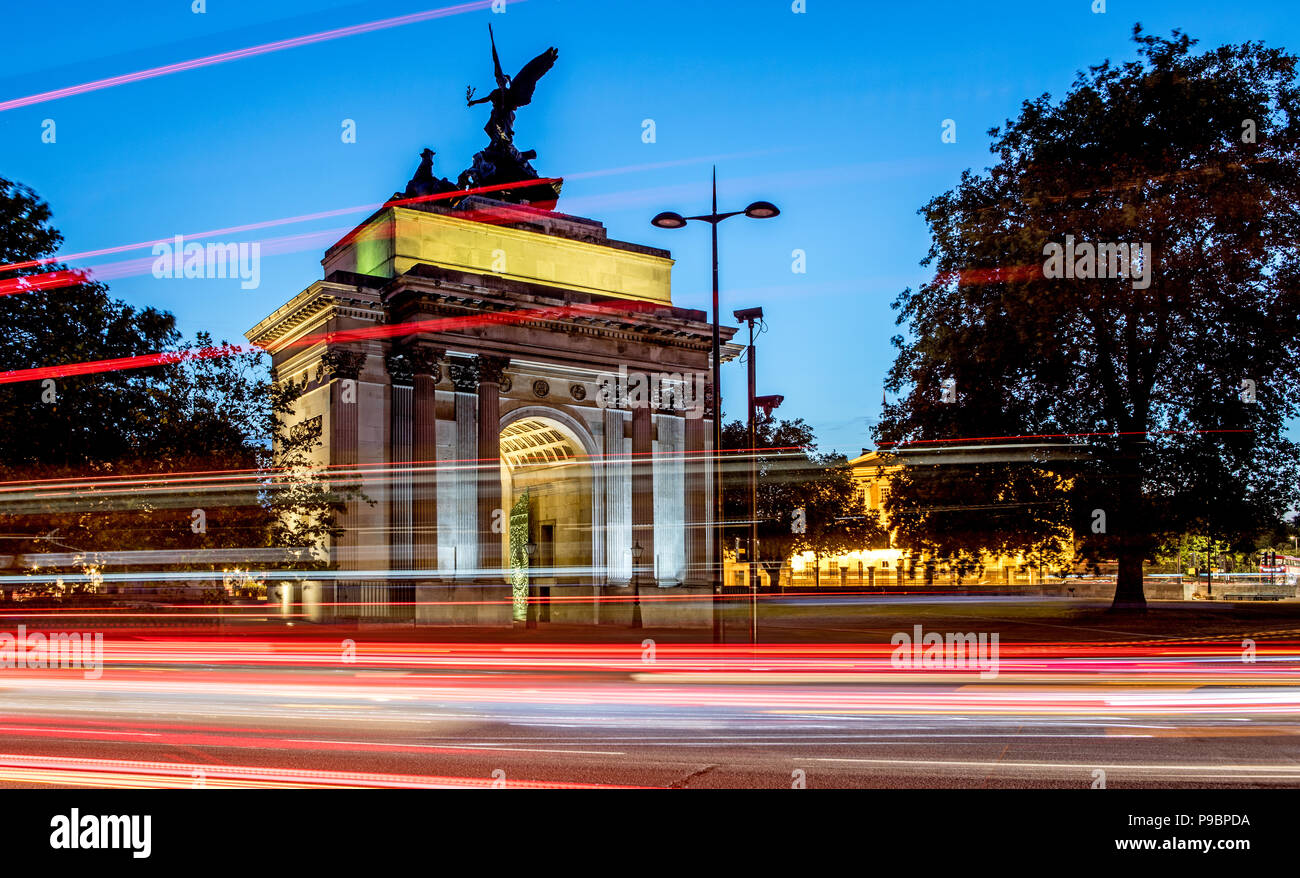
454	357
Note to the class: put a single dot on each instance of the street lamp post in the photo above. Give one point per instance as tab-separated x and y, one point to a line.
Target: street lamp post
670	220
766	403
636	584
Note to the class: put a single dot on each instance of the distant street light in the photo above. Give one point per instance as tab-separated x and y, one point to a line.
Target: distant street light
637	552
670	220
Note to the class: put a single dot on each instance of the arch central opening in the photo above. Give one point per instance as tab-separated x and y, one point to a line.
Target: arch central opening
546	478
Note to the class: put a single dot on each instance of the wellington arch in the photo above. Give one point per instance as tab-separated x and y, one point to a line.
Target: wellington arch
459	362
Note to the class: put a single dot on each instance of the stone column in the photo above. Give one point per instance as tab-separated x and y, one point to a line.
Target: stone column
490	372
697	502
424	451
617	485
643	497
464	376
342	368
400	544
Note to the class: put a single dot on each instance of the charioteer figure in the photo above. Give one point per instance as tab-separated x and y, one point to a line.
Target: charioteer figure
501	162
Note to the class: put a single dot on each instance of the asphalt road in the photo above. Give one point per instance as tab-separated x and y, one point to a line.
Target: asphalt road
181	713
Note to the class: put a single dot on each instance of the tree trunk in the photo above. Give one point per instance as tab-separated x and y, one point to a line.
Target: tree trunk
1129	594
1130	530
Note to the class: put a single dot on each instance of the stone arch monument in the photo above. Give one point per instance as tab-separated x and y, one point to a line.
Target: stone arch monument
457	355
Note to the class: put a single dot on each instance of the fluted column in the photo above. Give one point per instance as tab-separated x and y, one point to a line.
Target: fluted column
617	494
464	377
424	450
490	372
697	498
400	545
643	498
341	367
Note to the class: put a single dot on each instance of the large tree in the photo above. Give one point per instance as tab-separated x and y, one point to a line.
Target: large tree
1178	379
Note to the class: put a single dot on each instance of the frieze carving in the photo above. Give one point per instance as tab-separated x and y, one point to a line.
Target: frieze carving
541	389
578	391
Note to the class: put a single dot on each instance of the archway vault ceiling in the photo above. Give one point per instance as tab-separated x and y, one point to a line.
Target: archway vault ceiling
536	442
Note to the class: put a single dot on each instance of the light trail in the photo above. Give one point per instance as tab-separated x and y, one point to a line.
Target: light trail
415	714
436	324
133	774
907	443
31	283
250	52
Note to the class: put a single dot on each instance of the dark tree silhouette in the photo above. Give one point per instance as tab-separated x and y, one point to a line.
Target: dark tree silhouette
216	412
1180	390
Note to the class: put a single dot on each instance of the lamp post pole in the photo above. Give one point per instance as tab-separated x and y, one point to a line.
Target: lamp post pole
753	501
637	550
670	220
752	316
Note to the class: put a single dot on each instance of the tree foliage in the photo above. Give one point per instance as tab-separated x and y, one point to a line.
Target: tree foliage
139	450
1196	155
806	502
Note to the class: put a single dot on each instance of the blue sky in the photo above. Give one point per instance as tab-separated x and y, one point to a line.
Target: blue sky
835	115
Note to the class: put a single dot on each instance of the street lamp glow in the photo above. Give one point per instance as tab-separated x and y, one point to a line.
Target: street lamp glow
669	220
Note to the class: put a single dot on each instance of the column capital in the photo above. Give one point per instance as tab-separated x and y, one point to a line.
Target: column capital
424	360
339	362
491	369
464	373
406	363
399	367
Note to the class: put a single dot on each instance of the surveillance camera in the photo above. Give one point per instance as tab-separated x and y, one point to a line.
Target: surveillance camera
749	314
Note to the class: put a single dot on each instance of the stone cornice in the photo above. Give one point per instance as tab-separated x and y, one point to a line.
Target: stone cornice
617	319
314	306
